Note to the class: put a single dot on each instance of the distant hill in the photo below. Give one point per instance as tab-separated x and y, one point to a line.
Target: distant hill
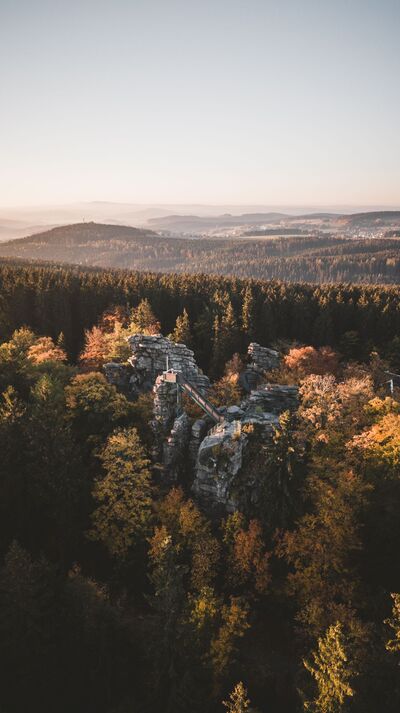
204	224
296	257
383	217
83	243
198	224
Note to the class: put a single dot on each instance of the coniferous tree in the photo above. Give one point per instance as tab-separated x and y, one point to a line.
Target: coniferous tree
182	332
333	673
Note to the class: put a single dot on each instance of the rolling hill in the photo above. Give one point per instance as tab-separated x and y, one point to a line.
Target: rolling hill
310	258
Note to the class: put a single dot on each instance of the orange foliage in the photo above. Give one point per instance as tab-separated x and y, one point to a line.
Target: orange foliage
44	349
248	557
96	346
308	360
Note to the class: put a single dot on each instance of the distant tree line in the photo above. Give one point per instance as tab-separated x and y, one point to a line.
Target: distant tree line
298	258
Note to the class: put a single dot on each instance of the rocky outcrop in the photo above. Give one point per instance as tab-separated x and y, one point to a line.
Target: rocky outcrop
165	404
265	404
199	431
218	475
216	455
153	354
175	448
219	460
119	375
261	360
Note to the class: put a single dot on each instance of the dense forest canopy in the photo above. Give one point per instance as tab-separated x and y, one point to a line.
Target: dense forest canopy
119	592
314	258
352	318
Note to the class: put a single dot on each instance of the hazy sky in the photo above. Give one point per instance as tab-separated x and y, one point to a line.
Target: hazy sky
219	101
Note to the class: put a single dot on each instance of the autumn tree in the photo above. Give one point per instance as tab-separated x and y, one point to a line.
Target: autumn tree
248	559
308	360
238	701
44	349
123	496
331	411
224	645
379	446
375	455
393	645
321	550
333	672
15	367
94	354
191	536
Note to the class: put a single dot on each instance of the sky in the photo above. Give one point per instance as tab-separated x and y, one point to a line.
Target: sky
266	102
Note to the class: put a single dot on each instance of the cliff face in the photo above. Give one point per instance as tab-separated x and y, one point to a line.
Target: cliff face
220	456
261	360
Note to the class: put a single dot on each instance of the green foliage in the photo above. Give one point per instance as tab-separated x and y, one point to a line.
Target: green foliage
94	405
182	332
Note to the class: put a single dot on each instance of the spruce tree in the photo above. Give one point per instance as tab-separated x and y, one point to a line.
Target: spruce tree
182	333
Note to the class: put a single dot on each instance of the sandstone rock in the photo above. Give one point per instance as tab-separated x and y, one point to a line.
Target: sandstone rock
218	462
262	359
199	430
218	477
153	354
119	375
175	448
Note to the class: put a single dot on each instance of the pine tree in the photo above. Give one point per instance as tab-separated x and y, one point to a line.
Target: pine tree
27	630
182	333
248	316
332	672
226	337
143	319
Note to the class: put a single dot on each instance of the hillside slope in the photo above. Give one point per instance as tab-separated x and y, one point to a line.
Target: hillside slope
311	258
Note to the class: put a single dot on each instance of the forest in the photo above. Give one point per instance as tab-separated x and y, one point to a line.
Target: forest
317	258
120	593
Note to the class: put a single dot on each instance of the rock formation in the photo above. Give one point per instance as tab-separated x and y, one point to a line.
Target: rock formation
151	355
261	360
220	456
216	456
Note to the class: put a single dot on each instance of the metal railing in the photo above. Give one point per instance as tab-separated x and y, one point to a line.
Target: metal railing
176	377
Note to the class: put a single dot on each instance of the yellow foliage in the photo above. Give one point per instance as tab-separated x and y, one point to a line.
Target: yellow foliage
234	626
